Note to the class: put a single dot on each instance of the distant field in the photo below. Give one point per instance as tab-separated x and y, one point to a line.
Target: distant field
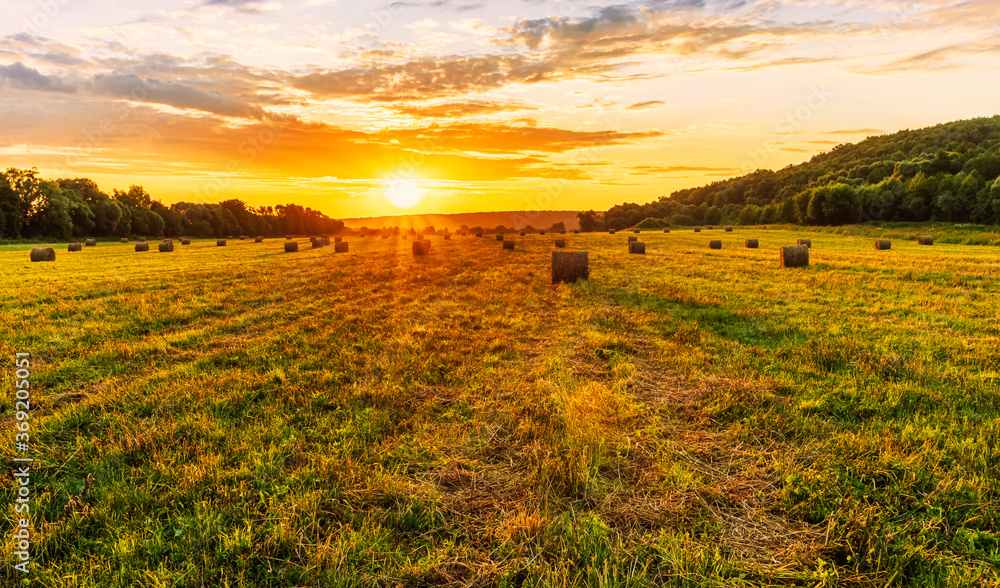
688	418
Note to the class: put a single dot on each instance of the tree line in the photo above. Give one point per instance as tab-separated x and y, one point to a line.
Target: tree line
33	207
950	172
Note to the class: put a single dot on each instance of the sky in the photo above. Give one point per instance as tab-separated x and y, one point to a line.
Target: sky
444	106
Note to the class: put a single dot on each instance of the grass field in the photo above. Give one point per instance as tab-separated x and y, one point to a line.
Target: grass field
248	417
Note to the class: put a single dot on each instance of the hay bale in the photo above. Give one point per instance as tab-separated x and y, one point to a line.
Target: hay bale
90	242
807	242
326	241
317	242
541	232
479	234
569	266
142	239
508	245
710	227
794	256
243	237
500	237
338	239
139	247
883	244
258	239
925	240
715	244
611	231
729	229
560	242
447	237
124	240
288	237
220	243
166	247
637	248
576	231
697	229
74	247
636	231
43	254
185	241
666	230
421	247
752	244
522	233
341	247
562	232
291	247
633	239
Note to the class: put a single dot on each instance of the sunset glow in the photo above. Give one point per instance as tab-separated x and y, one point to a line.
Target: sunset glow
494	105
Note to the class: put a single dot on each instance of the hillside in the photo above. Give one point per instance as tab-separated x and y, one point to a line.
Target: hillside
539	219
947	172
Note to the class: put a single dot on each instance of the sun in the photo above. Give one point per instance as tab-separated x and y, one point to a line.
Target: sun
404	193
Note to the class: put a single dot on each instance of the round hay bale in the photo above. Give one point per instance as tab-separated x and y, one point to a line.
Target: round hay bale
633	239
715	244
541	232
143	239
291	247
479	234
74	247
576	231
341	247
925	240
258	239
288	237
729	229
336	239
43	254
447	237
522	233
794	256
883	244
243	237
807	242
636	231
90	242
562	232
124	240
326	241
185	241
560	242
385	236
637	248
697	229
611	231
710	227
421	247
508	245
166	247
569	266
500	237
316	243
220	243
142	247
666	230
752	244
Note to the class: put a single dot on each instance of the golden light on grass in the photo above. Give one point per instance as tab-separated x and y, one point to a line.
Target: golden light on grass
404	194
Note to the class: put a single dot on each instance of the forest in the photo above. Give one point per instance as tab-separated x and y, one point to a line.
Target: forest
948	173
32	207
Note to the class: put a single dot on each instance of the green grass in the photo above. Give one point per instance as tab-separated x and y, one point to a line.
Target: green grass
687	418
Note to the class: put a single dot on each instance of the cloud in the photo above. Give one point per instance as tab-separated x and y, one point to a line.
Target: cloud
673	169
645	105
458	109
176	94
21	76
507	139
865	132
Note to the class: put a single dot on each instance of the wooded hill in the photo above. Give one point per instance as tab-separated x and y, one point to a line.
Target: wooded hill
948	172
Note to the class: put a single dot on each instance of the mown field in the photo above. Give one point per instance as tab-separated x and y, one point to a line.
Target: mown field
247	417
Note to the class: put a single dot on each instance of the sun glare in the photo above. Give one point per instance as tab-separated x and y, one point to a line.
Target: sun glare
404	193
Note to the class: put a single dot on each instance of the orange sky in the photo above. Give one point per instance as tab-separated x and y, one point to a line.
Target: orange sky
471	105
